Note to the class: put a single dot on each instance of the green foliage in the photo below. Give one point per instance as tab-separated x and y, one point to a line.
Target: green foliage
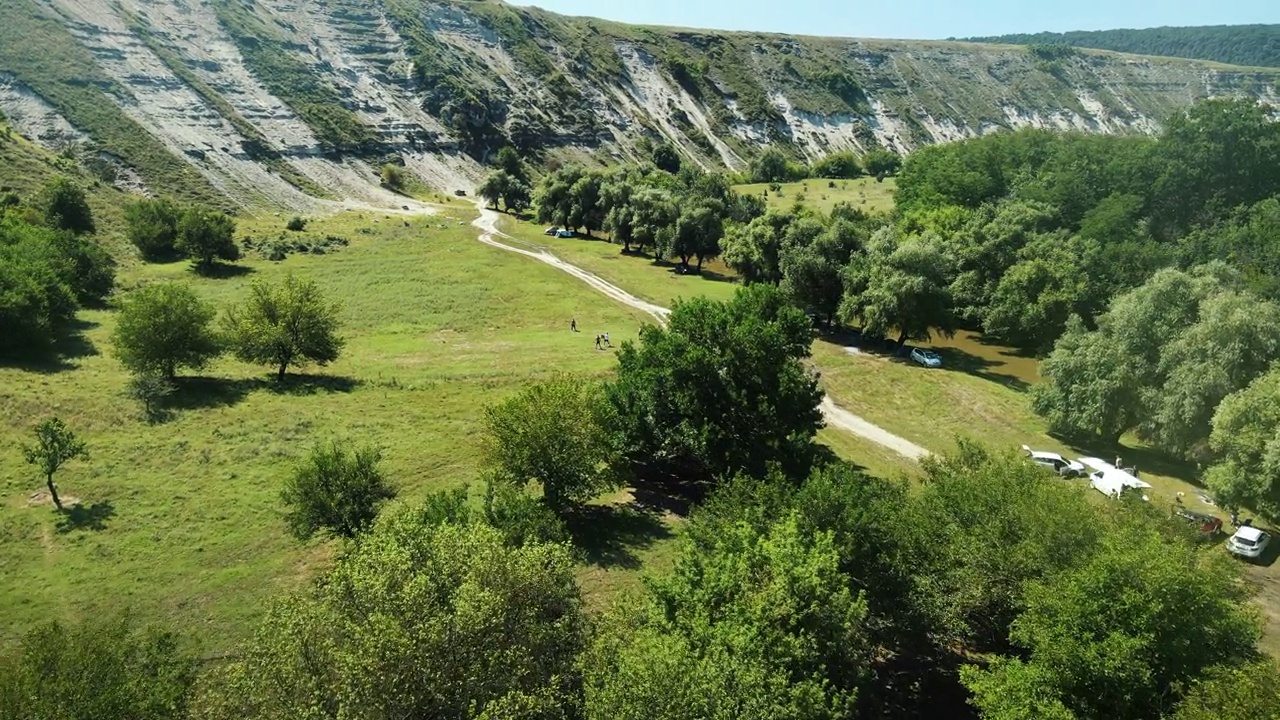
104	668
164	327
900	284
502	186
1244	441
415	621
757	625
813	271
772	165
881	163
549	434
335	491
153	227
62	204
697	234
37	286
296	224
1161	361
284	325
394	177
841	165
206	237
721	390
1234	693
665	157
521	518
509	161
1250	45
1120	634
55	446
151	391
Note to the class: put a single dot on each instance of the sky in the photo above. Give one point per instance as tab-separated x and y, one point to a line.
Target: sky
920	19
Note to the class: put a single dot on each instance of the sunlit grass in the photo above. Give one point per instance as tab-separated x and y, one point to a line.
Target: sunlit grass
437	326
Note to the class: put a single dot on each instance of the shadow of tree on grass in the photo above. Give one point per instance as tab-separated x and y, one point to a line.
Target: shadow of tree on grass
85	517
609	535
68	345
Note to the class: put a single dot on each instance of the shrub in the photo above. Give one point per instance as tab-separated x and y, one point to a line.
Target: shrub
64	207
335	491
296	224
152	227
393	177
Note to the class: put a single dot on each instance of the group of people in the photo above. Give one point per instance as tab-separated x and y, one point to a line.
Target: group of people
602	340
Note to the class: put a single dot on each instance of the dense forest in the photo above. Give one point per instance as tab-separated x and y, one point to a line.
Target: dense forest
1249	45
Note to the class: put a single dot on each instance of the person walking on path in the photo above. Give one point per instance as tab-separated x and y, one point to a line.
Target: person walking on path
573	325
597	342
606	341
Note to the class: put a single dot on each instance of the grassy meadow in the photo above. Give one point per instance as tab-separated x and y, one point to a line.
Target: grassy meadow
864	193
181	519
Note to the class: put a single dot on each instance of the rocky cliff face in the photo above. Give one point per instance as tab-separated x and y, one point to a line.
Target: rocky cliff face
298	102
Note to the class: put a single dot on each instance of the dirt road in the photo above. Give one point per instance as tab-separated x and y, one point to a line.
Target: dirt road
835	415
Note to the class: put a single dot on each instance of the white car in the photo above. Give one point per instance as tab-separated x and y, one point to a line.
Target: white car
1055	462
927	358
1248	542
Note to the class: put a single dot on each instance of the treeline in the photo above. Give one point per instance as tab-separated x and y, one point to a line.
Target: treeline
1251	45
801	587
50	265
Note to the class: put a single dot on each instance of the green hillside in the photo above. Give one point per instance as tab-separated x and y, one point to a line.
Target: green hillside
1251	45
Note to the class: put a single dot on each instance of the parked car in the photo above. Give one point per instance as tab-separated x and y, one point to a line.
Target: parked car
1055	462
1206	525
927	358
1248	542
551	231
563	233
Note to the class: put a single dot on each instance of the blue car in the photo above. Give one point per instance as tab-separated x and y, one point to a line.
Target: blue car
927	358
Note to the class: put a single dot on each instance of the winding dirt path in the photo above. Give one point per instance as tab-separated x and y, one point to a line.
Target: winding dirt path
835	415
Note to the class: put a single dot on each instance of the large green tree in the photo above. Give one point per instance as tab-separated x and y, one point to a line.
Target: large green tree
1246	446
549	434
163	327
152	227
900	285
284	325
760	625
722	389
1121	634
206	236
416	621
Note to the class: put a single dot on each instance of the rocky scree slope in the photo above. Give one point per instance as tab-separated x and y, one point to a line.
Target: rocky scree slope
298	103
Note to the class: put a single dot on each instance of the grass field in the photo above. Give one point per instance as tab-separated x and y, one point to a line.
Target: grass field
181	519
863	193
637	274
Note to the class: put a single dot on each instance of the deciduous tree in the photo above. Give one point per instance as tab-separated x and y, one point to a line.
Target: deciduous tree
206	237
284	325
721	390
549	434
55	446
335	490
163	327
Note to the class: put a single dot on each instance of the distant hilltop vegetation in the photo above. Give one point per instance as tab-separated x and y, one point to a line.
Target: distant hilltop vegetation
1248	45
